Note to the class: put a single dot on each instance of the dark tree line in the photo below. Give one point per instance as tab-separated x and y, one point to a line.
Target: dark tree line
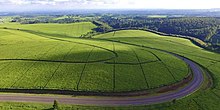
202	28
206	29
101	27
46	19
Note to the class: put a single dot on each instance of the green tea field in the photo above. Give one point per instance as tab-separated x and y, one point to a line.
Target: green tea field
74	29
53	57
32	61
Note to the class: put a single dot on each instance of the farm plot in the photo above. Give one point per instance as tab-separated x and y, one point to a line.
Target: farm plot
176	67
127	33
132	55
125	55
73	29
205	99
144	55
25	51
96	77
104	76
12	72
129	77
214	68
160	75
64	77
42	62
30	77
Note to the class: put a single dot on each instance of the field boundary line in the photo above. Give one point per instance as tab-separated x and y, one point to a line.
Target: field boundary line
138	45
163	64
175	68
153	54
213	64
58	67
80	78
198	104
50	36
27	69
52	75
142	69
199	56
215	94
22	76
127	63
114	69
5	66
169	70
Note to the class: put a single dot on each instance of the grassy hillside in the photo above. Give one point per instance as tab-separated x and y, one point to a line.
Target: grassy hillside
39	61
207	99
73	30
127	33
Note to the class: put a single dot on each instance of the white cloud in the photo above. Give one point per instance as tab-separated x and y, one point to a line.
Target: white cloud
88	2
18	2
25	2
109	4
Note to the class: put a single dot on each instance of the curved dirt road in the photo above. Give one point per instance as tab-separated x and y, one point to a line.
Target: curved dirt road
113	101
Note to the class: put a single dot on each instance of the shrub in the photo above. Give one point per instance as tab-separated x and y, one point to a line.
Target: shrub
55	105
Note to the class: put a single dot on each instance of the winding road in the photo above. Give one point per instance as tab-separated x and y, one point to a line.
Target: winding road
194	85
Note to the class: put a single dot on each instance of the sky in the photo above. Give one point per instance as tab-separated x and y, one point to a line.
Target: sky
29	5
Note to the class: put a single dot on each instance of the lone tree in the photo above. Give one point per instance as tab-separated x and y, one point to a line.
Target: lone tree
55	105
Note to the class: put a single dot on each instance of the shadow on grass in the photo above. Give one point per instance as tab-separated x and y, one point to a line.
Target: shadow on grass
49	109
